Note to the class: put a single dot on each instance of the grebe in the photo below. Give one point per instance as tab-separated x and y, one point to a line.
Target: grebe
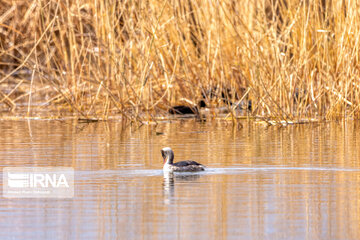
183	166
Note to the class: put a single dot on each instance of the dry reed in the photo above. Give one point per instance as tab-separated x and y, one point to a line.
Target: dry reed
93	59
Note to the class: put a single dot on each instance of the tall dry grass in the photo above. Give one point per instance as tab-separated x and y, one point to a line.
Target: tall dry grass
293	59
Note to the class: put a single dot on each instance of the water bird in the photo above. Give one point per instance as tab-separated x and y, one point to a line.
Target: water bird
181	109
190	108
183	166
214	94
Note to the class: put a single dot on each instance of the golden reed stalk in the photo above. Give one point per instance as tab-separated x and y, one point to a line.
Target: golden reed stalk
94	59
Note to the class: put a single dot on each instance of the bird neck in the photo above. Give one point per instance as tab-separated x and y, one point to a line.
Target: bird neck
169	159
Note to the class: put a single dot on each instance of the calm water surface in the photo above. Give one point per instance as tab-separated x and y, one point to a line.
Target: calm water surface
295	182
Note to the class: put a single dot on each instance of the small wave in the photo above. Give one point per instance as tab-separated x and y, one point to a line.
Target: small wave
273	168
209	171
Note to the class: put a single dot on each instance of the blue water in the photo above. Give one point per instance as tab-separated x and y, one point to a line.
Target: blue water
298	182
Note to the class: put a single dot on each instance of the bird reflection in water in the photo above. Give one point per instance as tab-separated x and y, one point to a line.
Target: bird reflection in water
169	184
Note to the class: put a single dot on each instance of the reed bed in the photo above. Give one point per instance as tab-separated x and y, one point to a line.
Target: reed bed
94	59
